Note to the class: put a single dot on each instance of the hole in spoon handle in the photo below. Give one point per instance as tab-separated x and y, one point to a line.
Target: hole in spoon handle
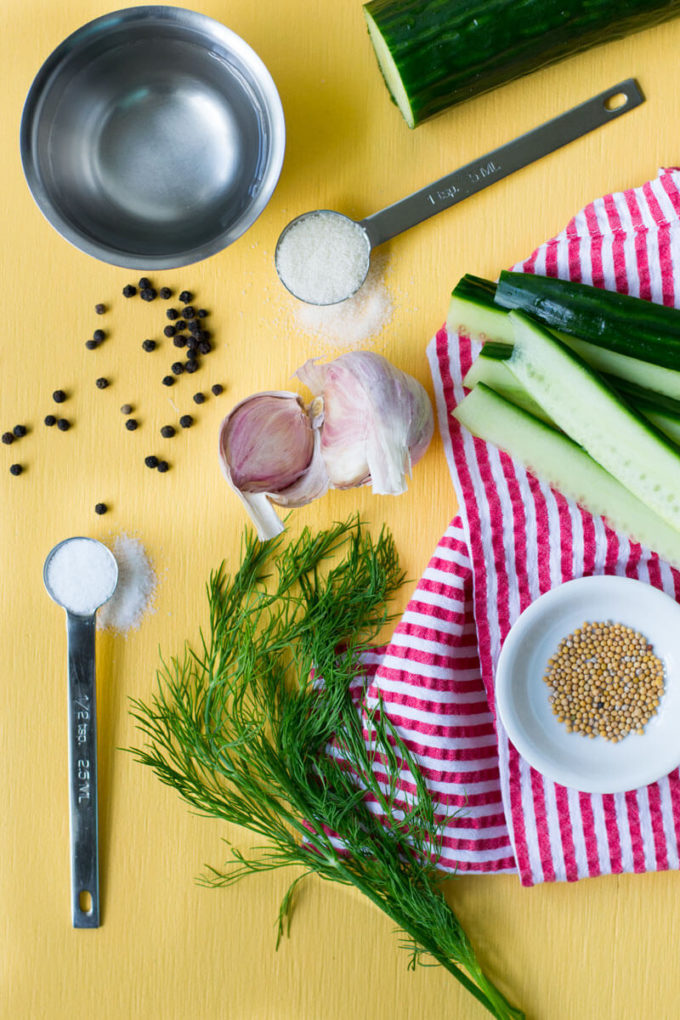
82	735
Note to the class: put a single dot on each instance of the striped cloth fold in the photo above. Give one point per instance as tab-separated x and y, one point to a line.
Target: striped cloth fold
513	539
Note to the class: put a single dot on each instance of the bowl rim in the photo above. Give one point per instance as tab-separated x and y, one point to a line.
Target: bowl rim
207	26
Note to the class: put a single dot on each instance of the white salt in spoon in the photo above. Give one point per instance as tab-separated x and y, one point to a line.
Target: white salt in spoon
80	574
322	257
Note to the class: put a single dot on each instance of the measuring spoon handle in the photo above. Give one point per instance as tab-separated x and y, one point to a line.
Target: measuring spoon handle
501	162
82	737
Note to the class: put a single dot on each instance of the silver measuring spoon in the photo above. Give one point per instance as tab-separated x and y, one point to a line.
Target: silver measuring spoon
80	574
360	237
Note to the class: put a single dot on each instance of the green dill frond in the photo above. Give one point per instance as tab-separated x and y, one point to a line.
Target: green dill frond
262	725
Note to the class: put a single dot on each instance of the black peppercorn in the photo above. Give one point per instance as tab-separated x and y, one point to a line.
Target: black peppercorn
126	409
169	330
151	461
180	340
15	469
59	396
180	324
63	424
217	389
202	313
19	431
194	327
129	290
168	380
177	367
100	309
102	383
186	421
148	294
191	366
185	297
144	283
199	398
167	431
165	293
163	466
7	438
149	345
204	346
99	335
131	424
50	420
172	313
189	312
100	508
203	334
192	343
91	344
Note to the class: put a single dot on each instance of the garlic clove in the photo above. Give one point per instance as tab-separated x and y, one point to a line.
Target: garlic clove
270	452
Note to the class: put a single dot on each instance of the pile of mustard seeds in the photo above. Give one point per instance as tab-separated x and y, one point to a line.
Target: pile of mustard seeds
605	680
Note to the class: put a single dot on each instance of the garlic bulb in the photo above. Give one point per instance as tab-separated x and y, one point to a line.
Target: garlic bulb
378	421
369	423
270	452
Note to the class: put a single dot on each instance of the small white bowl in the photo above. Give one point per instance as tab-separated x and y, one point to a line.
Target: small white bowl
593	765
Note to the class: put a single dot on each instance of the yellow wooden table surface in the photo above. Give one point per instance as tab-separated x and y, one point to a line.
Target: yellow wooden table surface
168	948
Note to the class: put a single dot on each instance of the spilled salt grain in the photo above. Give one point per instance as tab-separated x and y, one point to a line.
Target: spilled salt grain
351	323
135	590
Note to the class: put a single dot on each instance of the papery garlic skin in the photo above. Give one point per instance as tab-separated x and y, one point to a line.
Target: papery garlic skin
378	421
270	452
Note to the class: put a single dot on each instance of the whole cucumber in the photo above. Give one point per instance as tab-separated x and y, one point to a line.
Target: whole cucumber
436	53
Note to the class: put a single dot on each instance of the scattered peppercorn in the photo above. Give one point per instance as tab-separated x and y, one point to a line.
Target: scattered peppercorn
169	330
203	334
163	466
199	398
50	420
151	461
148	294
189	312
129	290
168	380
144	283
131	424
149	345
192	343
180	324
99	335
180	340
165	293
167	431
186	421
100	508
172	313
63	424
15	469
177	367
217	389
204	346
59	396
100	309
191	366
7	438
185	297
202	313
194	327
102	383
91	344
19	431
126	408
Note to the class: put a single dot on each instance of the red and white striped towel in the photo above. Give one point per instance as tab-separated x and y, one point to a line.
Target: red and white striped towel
514	539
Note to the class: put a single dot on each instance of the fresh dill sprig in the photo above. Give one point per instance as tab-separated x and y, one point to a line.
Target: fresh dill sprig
260	726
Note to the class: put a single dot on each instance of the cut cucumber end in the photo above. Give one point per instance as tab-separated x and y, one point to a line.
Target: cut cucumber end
389	70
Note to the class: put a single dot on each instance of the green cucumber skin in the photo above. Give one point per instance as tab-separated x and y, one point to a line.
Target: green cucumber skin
566	467
628	325
584	406
447	51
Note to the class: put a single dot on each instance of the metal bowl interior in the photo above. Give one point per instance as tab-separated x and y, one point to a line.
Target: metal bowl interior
152	137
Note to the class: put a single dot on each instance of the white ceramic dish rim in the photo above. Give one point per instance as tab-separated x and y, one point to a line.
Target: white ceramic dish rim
635	761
